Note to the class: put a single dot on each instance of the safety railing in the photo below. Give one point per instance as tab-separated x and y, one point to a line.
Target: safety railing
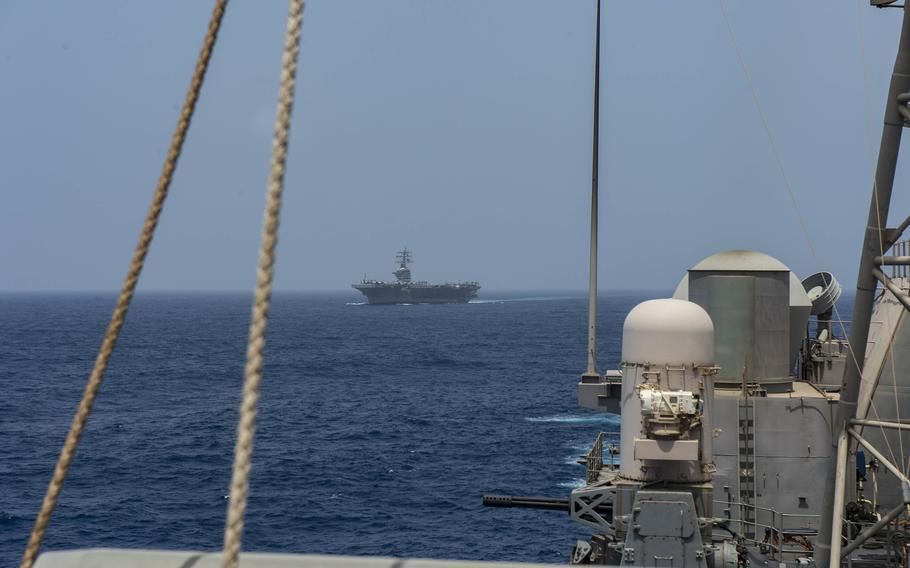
888	540
783	534
594	459
900	248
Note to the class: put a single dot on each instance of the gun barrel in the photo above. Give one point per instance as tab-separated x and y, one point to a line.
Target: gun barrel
545	503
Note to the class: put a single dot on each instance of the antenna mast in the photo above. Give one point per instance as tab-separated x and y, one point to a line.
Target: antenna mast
404	257
878	238
403	274
592	262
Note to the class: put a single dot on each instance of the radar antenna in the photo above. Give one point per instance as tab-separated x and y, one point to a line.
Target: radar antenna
404	257
403	274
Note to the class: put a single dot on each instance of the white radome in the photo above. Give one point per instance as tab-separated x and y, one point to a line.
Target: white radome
668	332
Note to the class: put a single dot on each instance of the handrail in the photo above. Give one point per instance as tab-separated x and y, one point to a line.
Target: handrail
900	250
594	459
777	527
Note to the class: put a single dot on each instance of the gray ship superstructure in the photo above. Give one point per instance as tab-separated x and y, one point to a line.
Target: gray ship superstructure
753	432
406	291
728	395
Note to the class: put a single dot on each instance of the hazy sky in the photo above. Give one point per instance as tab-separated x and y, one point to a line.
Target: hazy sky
460	128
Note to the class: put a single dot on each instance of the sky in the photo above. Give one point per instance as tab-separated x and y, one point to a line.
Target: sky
459	128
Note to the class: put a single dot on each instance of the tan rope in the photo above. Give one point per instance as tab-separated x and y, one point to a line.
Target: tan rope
246	426
126	292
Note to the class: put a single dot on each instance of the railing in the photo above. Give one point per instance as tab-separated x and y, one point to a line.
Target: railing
780	537
889	540
594	459
900	248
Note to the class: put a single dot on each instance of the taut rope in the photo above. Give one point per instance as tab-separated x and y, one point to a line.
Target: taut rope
246	426
126	292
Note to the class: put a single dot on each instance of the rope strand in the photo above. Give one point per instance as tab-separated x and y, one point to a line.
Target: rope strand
246	426
126	293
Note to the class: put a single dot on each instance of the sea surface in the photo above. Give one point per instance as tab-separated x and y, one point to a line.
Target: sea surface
380	427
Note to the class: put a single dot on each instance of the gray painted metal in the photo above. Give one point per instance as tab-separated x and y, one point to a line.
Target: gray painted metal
755	263
892	260
885	392
874	244
743	260
664	531
591	371
601	392
824	290
418	292
773	481
751	315
772	446
881	424
680	463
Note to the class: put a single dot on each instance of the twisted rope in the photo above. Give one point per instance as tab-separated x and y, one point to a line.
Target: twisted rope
126	293
246	426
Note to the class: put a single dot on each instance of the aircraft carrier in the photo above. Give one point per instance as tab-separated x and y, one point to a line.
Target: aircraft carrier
406	291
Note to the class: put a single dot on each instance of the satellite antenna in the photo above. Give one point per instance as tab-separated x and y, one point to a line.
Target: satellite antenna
824	290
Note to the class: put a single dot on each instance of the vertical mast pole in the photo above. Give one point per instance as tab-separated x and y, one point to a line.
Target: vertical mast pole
592	262
827	547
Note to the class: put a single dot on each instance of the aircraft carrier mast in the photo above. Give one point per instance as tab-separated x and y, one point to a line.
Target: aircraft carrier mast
403	274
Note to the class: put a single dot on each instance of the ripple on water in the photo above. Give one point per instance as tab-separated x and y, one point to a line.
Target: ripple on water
378	430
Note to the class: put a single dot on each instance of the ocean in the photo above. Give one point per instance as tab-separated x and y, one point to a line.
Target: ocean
380	427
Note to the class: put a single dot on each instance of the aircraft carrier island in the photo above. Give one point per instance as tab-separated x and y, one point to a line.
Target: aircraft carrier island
406	291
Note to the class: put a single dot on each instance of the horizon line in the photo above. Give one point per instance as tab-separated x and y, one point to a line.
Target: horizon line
580	291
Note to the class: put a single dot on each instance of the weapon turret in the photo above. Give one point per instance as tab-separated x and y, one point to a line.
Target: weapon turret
668	366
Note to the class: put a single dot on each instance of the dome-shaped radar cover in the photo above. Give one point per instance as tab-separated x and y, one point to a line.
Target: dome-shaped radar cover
664	332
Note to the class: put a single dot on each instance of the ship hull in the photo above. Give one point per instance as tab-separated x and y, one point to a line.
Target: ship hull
417	293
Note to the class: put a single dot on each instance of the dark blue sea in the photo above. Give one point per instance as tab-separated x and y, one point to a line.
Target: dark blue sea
380	427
